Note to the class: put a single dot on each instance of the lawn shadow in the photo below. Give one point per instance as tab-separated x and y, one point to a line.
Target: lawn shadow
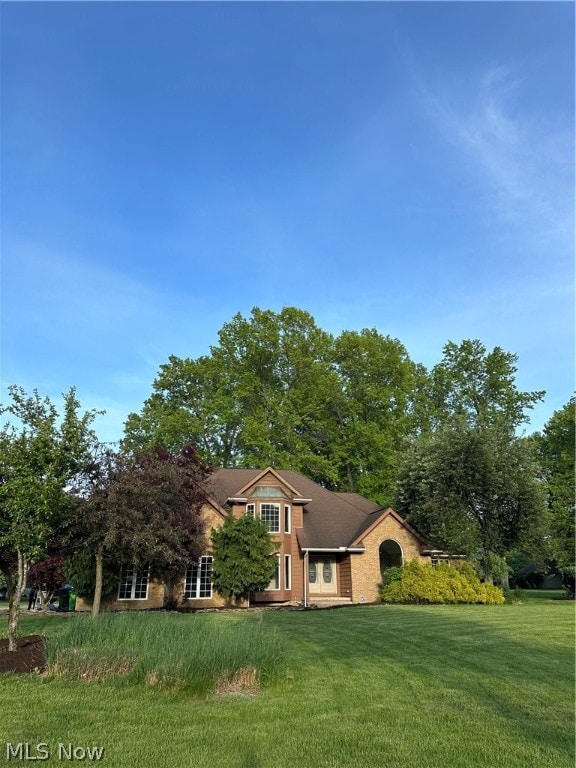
460	648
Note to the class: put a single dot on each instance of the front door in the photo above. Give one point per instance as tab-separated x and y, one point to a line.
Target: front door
322	576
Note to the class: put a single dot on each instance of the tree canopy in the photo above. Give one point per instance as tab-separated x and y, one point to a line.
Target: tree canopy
143	509
556	445
352	412
472	491
41	453
479	387
278	390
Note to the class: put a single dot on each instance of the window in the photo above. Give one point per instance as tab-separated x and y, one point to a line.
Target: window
267	492
270	514
250	509
287	520
287	571
275	583
133	584
312	572
198	583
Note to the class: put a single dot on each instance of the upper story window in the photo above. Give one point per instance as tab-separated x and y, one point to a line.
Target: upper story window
287	518
270	514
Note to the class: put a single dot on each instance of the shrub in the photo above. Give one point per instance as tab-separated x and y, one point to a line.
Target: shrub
569	580
244	556
515	595
421	583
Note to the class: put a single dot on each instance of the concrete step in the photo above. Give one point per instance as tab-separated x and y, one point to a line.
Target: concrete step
328	601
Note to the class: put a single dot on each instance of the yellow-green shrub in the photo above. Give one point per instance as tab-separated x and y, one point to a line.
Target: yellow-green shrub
422	583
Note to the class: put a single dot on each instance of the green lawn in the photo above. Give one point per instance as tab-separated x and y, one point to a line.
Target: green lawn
372	687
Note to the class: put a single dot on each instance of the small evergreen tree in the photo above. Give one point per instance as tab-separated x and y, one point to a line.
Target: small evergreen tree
244	558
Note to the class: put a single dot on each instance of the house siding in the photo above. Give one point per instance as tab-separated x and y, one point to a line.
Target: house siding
345	577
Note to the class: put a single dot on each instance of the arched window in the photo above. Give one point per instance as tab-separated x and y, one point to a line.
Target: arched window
390	555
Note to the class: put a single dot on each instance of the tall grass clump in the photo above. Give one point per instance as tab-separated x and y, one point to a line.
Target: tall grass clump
198	654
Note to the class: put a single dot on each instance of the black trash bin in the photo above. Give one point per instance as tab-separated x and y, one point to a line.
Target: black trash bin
66	598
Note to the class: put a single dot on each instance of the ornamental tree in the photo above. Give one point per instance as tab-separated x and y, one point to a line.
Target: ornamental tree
244	557
143	509
42	452
49	576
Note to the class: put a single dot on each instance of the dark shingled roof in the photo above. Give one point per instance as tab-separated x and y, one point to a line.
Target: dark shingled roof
331	520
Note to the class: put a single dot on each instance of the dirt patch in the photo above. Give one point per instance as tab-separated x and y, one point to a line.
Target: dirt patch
244	682
29	656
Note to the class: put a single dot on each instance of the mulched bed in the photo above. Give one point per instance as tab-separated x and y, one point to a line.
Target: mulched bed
29	657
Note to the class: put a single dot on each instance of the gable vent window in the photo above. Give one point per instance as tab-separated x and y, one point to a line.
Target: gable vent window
267	492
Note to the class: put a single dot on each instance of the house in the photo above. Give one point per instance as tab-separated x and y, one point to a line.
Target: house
333	547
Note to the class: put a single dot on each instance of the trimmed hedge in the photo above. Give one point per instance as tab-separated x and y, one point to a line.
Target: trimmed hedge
421	583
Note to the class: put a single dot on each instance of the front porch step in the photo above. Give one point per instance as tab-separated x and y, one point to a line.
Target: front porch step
325	602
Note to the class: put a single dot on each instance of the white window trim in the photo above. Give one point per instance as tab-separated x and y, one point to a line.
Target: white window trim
287	518
279	572
135	574
251	510
287	571
206	558
278	507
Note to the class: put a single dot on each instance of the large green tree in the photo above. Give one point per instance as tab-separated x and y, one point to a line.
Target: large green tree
556	445
473	491
375	413
263	396
42	452
469	483
279	390
478	386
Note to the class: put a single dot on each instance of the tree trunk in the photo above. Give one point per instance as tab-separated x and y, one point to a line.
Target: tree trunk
98	586
14	606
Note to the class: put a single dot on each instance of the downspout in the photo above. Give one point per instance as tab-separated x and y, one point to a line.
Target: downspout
305	579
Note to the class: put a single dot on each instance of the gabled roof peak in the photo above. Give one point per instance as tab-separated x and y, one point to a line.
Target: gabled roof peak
261	475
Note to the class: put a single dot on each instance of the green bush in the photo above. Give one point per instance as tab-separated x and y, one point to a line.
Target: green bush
421	583
515	595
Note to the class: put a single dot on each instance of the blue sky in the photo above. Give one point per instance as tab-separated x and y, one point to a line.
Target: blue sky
404	166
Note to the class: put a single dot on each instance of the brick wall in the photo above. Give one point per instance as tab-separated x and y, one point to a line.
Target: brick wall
156	590
366	567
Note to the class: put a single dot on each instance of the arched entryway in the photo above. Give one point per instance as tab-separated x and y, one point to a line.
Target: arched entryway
390	555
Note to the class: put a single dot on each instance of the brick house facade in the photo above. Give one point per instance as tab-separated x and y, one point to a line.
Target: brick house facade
332	546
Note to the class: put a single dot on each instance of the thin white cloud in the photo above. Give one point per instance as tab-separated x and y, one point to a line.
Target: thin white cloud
522	157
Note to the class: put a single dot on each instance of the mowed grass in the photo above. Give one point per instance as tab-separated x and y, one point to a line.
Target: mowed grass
373	686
